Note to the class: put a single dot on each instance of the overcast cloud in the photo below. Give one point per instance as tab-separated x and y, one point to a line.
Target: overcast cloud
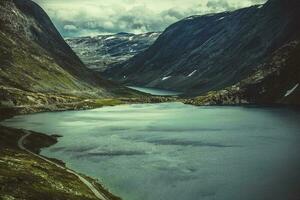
93	17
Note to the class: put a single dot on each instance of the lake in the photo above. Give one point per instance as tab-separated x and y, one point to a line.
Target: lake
172	151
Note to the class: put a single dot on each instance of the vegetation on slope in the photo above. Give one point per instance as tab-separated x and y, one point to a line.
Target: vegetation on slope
39	71
24	176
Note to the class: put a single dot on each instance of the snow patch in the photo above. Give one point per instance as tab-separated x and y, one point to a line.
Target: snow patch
221	18
111	37
190	18
131	38
153	34
96	36
191	74
166	78
289	92
259	7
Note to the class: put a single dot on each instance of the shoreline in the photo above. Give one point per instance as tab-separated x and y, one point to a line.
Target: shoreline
44	141
26	176
34	143
10	112
59	164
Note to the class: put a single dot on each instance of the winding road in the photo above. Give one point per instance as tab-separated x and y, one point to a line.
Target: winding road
83	180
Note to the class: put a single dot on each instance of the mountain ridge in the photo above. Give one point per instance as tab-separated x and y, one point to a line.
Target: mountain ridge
210	52
104	51
38	67
274	82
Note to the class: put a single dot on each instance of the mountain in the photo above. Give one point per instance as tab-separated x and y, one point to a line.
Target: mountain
204	53
36	64
102	51
277	81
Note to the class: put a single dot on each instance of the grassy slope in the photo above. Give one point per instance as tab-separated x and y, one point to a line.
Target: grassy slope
38	68
26	64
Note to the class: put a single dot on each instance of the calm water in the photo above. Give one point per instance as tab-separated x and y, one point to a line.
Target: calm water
173	151
154	91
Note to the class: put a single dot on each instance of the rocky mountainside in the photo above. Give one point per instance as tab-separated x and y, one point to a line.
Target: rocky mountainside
34	58
211	52
277	81
103	50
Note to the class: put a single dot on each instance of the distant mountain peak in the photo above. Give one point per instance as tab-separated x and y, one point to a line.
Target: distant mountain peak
103	51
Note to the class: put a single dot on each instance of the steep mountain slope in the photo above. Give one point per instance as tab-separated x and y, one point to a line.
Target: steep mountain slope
210	52
34	58
276	81
100	51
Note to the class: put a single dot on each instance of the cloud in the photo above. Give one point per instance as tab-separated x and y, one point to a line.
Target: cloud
70	27
92	17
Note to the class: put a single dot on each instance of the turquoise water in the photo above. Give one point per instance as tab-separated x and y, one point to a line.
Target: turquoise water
154	91
173	151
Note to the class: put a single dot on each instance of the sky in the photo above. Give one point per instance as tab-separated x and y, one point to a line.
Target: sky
75	18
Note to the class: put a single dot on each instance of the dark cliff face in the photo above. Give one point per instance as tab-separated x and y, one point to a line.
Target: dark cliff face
203	53
34	57
276	81
104	51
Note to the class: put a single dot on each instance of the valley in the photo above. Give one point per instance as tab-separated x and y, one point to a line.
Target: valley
206	53
207	108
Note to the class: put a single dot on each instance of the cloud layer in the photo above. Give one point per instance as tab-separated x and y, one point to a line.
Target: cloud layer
93	17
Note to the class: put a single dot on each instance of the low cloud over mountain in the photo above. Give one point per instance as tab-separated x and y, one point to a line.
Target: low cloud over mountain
73	18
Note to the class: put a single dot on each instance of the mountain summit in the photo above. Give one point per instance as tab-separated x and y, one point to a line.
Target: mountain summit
102	51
